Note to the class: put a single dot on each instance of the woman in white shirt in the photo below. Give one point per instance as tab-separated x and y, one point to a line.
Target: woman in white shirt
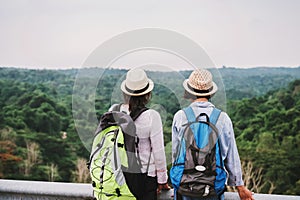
137	93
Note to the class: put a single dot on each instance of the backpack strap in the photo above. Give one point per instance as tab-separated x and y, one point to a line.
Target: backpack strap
116	107
189	114
134	115
213	118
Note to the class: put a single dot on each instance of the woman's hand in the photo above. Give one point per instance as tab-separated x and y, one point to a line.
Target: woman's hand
163	187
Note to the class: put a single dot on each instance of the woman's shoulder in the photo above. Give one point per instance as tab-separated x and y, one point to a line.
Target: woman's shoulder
151	112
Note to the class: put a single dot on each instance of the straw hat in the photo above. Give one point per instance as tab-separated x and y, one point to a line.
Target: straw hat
200	83
137	83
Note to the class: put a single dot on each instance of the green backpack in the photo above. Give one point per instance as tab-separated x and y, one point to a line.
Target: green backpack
114	155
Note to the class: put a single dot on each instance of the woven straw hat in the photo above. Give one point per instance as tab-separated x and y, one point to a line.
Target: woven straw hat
200	83
137	83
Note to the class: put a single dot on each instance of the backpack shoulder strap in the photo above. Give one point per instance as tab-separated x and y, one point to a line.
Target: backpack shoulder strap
116	107
190	115
214	116
135	115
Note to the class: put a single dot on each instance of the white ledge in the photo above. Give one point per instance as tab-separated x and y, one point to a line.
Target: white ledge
17	189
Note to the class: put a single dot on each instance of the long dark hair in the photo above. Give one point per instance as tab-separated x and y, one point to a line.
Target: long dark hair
136	103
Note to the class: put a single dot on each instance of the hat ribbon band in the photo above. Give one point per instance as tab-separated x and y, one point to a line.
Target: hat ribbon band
200	91
137	91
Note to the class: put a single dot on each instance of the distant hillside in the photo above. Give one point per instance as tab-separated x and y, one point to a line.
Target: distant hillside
245	83
238	83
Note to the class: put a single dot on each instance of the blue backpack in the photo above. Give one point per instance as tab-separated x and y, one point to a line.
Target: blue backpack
198	170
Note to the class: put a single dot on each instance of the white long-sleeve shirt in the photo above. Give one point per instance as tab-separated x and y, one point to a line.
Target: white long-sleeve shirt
150	132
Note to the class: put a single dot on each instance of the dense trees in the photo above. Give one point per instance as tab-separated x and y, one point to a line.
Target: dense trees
39	139
33	118
268	133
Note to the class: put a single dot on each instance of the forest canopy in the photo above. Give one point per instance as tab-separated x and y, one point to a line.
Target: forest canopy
39	139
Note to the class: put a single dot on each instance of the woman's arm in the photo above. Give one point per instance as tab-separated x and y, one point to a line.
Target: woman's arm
157	145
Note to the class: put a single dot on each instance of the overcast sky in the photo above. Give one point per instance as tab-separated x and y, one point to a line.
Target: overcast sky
63	33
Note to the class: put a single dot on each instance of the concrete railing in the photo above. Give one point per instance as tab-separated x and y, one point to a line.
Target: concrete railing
25	190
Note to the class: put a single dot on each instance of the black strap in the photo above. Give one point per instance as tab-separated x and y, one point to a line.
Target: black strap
136	113
118	192
149	156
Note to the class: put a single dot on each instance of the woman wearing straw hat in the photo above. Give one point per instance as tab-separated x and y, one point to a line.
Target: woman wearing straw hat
199	88
137	89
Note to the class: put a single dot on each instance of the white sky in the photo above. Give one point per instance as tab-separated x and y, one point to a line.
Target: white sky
63	33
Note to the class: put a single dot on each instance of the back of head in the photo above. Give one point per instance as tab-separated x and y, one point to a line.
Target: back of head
137	88
200	84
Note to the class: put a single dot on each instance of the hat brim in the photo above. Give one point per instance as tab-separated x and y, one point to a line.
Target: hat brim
149	89
214	90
